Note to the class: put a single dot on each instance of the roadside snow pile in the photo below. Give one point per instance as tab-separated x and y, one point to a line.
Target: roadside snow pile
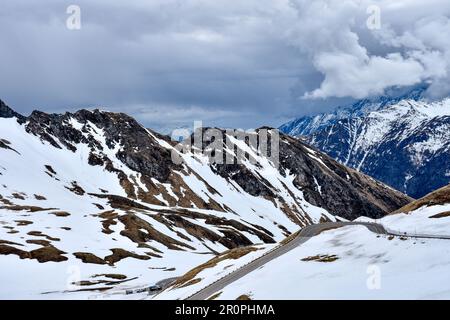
433	220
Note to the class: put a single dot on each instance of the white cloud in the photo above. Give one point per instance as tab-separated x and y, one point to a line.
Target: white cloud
412	46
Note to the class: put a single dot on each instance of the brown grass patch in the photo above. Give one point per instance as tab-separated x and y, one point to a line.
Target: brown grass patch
244	297
19	196
290	238
440	196
40	234
75	188
50	169
43	243
441	215
47	254
44	254
60	213
133	230
87	257
230	254
26	208
7	250
23	222
104	282
5	201
321	258
120	254
215	296
190	283
39	197
170	269
108	220
111	276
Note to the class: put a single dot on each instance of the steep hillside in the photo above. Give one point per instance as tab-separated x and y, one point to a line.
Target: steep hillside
92	200
343	262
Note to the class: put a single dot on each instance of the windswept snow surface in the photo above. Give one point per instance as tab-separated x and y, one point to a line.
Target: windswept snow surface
368	266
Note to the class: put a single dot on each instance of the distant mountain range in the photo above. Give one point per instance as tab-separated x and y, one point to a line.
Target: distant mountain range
403	141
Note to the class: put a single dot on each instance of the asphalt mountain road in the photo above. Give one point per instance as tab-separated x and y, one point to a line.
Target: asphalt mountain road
304	235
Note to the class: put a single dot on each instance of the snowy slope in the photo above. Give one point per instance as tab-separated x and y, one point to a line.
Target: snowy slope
93	204
429	215
403	142
353	263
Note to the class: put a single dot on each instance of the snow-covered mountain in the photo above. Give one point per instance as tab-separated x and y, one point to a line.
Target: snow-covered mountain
93	201
402	141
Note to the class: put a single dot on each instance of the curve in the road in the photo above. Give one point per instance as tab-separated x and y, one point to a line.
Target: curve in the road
304	235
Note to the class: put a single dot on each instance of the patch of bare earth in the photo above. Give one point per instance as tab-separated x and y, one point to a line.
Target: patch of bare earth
21	223
75	188
441	215
120	254
25	208
19	196
111	276
109	219
60	213
101	282
87	257
190	282
40	234
215	296
140	231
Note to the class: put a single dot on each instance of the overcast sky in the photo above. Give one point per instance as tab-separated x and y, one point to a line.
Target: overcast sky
232	63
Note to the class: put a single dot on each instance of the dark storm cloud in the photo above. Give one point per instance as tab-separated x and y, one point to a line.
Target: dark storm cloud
148	58
228	63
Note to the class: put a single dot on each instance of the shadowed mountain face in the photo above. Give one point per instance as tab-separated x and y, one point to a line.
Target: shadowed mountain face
404	142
